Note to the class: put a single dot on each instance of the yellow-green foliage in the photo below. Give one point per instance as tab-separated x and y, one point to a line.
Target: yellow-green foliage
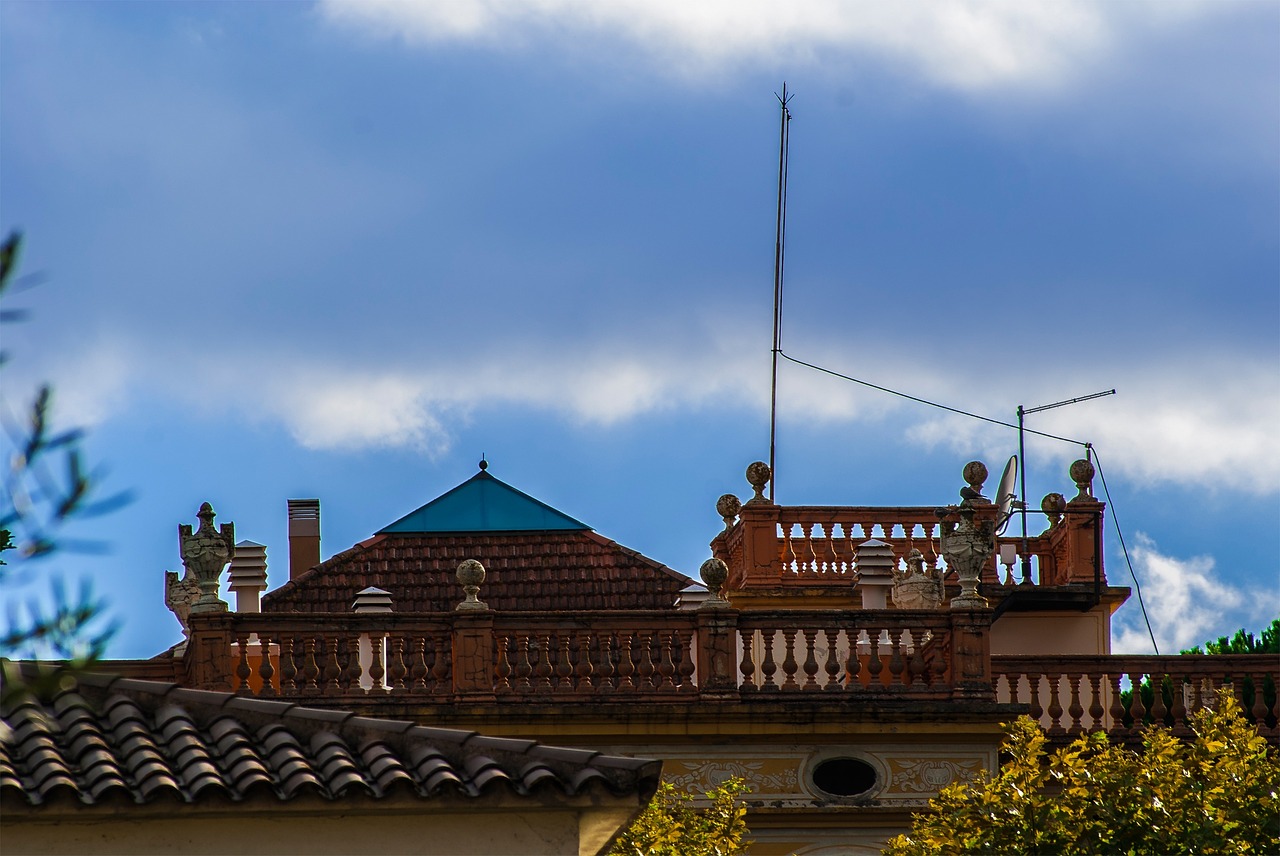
1216	794
671	826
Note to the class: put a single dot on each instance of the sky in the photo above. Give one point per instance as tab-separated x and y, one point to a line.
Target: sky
343	249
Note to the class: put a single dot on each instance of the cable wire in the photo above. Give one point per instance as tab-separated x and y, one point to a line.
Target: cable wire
787	356
1115	521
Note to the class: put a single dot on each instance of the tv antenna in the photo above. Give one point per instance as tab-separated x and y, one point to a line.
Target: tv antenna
1022	457
784	144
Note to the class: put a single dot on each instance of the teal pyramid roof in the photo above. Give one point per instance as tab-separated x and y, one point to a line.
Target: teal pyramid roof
483	503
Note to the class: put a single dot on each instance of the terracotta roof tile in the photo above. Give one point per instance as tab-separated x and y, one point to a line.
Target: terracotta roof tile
136	741
524	571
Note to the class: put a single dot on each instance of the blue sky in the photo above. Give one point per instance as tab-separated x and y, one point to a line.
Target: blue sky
342	249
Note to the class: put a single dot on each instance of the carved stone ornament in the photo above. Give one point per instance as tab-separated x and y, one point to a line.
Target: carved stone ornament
967	548
917	587
728	507
470	575
1054	505
758	475
180	594
714	573
204	554
1082	474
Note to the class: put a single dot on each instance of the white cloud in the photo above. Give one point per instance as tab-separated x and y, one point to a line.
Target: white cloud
1187	603
959	44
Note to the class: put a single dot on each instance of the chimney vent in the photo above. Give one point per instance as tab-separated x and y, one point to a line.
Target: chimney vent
304	536
372	599
247	577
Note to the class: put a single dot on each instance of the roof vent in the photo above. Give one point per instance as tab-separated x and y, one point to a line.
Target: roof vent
247	576
372	599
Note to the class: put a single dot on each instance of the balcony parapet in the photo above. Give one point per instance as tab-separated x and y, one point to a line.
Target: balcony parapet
1074	694
483	656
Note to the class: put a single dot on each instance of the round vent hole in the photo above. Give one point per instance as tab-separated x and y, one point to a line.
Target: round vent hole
844	777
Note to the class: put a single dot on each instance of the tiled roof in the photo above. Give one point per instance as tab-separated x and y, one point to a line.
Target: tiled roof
524	571
483	503
108	738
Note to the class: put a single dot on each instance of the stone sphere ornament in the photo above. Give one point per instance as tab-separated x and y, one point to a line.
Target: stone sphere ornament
1054	505
1082	474
470	575
975	475
714	573
758	475
728	507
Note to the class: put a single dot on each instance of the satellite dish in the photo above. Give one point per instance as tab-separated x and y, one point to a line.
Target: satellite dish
1005	495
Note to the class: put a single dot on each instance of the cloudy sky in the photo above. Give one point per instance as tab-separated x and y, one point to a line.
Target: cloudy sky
342	249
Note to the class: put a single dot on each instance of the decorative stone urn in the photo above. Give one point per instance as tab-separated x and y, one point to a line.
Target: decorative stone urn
969	546
470	575
917	587
205	553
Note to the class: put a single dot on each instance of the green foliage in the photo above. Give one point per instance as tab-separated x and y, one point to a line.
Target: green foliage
35	503
1217	794
672	826
1243	643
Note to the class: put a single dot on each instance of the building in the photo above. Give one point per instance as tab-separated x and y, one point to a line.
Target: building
847	662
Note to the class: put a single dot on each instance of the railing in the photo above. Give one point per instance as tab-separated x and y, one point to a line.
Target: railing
897	652
544	656
1073	694
785	546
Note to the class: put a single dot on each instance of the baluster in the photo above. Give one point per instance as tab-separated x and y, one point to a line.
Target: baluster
916	666
605	672
288	669
1117	710
503	667
543	671
376	670
847	545
768	667
1095	702
808	559
332	669
789	664
1137	708
685	668
832	667
645	671
1258	710
747	668
242	667
399	670
830	561
1033	685
564	666
1178	709
1055	704
666	663
418	664
524	666
310	671
626	665
896	663
854	666
788	550
874	665
440	664
1074	708
265	671
583	669
810	660
354	669
1158	708
343	656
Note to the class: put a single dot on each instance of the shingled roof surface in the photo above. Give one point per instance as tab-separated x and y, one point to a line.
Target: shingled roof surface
561	570
107	738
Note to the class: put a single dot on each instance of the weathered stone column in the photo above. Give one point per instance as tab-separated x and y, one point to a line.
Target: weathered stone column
473	672
717	637
759	520
971	654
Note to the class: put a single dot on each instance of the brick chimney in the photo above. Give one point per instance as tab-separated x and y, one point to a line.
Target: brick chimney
304	536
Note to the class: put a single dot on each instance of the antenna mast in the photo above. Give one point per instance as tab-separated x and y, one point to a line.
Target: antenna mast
784	141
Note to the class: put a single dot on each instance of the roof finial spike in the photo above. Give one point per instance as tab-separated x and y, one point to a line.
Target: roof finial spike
484	465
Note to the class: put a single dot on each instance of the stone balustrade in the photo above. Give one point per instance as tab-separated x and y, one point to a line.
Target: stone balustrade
1071	694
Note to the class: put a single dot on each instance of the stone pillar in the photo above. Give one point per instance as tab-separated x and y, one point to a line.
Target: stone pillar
971	654
473	668
1083	536
718	653
208	656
